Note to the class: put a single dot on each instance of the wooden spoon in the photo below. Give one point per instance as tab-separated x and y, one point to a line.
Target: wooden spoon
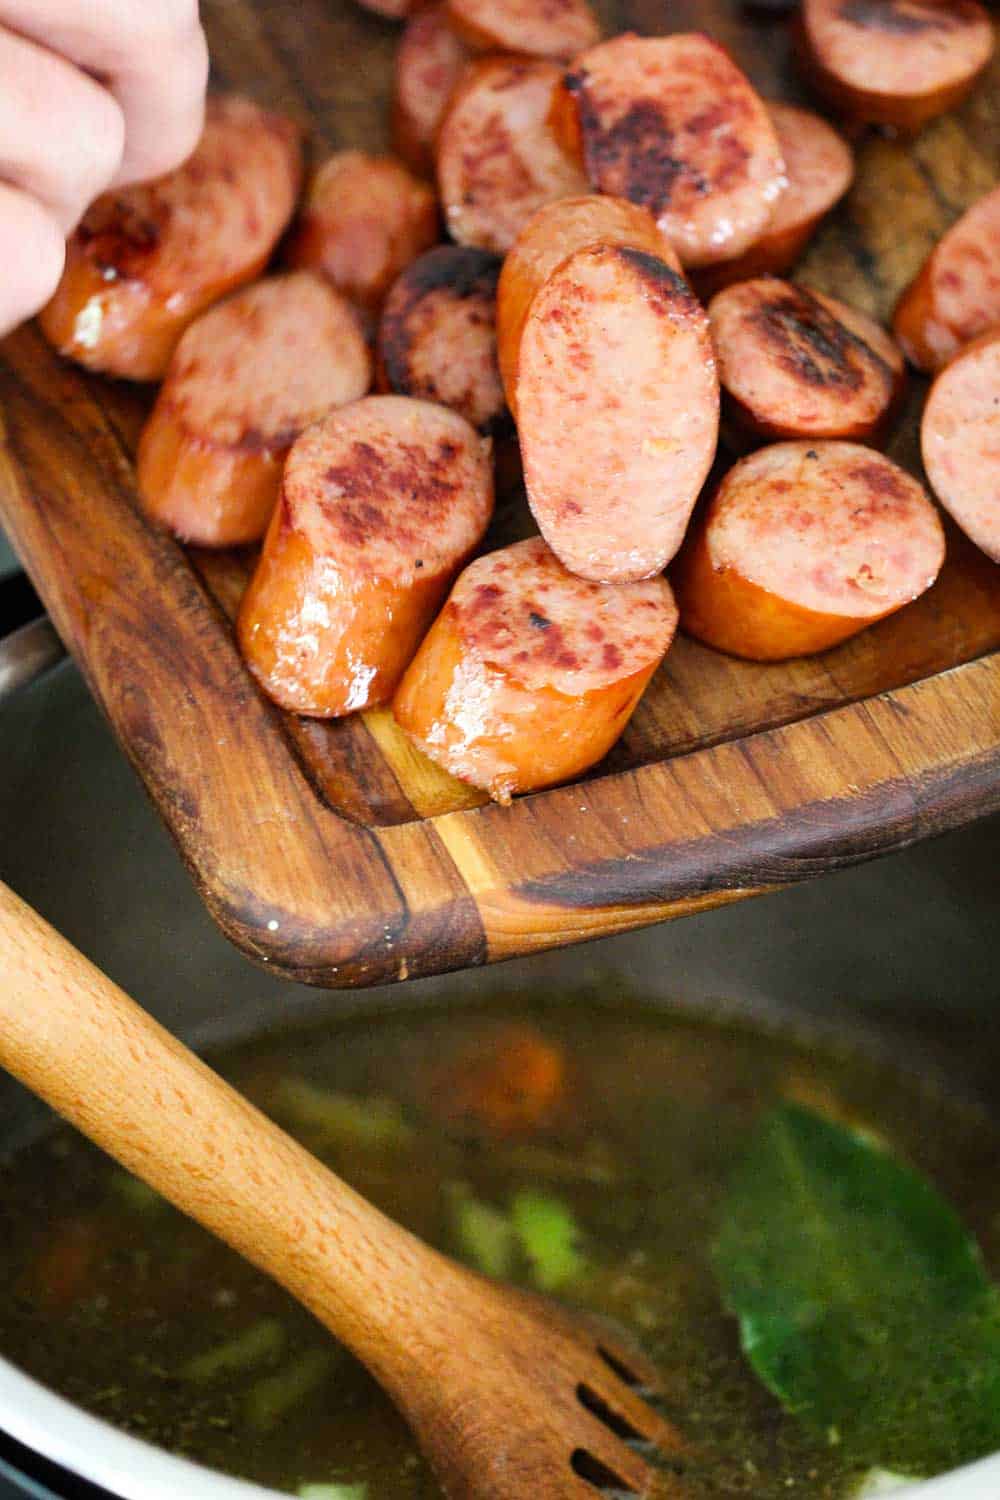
509	1395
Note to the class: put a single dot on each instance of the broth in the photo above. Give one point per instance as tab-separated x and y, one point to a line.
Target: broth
628	1120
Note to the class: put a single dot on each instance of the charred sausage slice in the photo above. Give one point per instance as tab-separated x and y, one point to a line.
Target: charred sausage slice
245	380
960	441
819	165
430	62
672	124
437	339
551	236
956	296
617	411
381	504
805	544
498	159
147	260
529	675
794	363
365	218
537	28
895	62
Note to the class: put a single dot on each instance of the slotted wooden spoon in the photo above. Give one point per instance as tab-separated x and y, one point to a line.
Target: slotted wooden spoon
511	1397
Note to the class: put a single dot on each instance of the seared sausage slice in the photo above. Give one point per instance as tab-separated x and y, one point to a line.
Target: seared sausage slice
146	260
245	380
438	339
381	504
536	28
617	411
551	236
956	296
672	124
498	160
895	62
960	441
529	674
365	218
819	165
794	363
803	545
430	61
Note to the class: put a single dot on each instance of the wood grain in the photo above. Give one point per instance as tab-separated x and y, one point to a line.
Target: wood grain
732	778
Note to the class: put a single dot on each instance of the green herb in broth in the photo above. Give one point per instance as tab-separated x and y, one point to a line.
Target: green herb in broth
111	1304
862	1300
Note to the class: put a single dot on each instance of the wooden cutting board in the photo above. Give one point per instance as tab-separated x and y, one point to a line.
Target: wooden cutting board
335	853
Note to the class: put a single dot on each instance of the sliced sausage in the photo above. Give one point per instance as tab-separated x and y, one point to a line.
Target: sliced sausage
960	441
146	260
365	218
794	363
529	674
381	504
956	296
438	338
672	124
551	236
536	28
894	62
803	545
819	165
430	62
617	411
245	380
393	10
498	160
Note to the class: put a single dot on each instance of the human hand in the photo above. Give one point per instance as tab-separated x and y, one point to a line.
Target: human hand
94	94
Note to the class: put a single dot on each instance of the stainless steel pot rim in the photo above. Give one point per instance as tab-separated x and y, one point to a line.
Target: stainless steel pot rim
134	1470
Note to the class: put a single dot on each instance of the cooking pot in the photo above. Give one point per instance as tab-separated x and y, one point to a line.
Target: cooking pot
895	955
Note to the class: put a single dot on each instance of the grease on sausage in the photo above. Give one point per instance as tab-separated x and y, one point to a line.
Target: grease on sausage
555	29
530	674
960	441
381	504
795	363
551	236
498	159
245	380
437	338
672	124
618	410
146	260
430	62
365	218
819	165
956	295
802	545
895	62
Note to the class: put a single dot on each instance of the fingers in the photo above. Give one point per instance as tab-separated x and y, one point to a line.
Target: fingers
32	250
152	56
61	134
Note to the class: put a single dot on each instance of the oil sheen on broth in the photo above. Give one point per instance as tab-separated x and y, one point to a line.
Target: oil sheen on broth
622	1124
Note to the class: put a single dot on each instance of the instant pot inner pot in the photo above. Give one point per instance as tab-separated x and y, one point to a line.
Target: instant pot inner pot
895	954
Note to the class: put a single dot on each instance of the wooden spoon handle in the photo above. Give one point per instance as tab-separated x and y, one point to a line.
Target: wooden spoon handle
75	1039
